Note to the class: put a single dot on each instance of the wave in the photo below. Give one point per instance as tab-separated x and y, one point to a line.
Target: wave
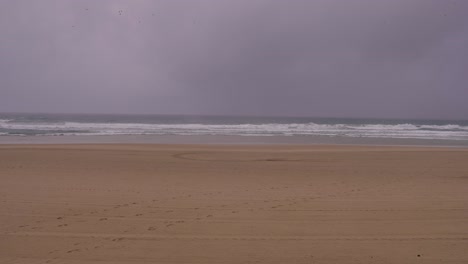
449	131
445	127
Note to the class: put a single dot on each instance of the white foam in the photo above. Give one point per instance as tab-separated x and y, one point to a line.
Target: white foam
454	132
445	127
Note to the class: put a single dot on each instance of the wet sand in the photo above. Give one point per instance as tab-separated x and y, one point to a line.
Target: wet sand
231	140
232	204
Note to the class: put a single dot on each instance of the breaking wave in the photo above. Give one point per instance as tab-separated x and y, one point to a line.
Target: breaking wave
448	131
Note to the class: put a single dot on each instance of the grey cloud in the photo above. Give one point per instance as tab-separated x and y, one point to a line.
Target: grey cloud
388	58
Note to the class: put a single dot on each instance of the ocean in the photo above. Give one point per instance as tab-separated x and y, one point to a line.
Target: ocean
36	125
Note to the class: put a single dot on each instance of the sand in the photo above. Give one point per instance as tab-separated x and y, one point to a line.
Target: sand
232	204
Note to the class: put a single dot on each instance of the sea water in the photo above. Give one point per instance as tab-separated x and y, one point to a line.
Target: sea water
179	125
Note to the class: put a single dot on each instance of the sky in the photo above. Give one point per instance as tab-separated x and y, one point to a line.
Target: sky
319	58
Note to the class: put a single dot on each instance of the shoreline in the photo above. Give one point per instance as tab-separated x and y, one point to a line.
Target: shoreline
230	140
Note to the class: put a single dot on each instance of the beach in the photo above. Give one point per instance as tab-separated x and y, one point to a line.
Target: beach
166	203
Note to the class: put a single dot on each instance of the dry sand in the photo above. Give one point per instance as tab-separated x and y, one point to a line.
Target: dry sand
232	204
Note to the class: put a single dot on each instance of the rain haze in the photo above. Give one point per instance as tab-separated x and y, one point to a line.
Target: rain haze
361	58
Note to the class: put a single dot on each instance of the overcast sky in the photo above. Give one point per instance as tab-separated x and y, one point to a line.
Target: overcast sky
359	58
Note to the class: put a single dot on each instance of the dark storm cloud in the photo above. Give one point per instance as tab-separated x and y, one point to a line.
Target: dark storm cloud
387	58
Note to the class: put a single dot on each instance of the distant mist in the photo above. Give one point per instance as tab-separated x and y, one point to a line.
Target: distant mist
352	58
